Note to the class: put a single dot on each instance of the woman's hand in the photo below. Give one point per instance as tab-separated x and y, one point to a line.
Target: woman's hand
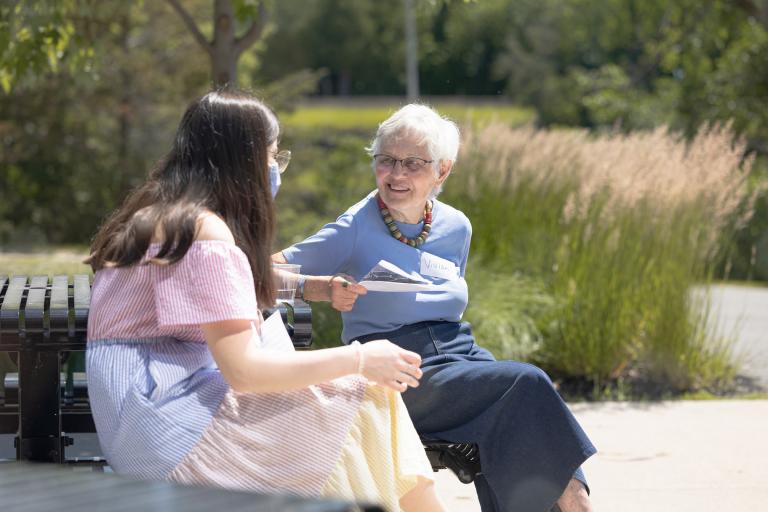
389	365
344	292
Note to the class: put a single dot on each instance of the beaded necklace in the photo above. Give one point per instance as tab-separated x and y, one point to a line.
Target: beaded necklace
395	232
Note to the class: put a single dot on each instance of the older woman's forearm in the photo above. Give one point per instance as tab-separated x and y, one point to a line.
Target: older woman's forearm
316	288
339	289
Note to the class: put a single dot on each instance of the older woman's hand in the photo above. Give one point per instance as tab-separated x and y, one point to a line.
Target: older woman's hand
344	292
389	365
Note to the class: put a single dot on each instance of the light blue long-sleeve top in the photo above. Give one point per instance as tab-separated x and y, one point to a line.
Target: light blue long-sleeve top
359	239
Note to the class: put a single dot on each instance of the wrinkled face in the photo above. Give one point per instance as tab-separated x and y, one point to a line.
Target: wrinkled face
404	188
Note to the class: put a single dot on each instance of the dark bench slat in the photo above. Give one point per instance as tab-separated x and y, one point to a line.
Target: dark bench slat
9	419
3	286
10	310
59	306
77	419
301	327
34	309
82	302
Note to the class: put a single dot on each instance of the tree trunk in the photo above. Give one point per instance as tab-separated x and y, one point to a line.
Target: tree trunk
224	55
344	83
225	49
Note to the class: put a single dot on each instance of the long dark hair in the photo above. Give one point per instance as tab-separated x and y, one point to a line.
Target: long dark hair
219	162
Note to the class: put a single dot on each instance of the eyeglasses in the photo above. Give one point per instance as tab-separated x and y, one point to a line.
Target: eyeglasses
412	163
283	158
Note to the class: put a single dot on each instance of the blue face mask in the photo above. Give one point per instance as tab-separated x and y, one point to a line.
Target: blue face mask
274	178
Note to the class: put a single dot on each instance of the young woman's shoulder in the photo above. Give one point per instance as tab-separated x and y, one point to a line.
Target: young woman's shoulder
212	227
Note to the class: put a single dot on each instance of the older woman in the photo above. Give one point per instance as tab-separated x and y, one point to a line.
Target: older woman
531	446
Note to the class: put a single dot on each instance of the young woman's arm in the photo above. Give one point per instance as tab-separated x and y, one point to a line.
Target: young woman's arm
247	368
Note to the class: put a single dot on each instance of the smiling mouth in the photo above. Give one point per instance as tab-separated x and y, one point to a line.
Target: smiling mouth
391	188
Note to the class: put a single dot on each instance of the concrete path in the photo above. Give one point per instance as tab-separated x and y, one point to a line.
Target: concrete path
741	312
707	456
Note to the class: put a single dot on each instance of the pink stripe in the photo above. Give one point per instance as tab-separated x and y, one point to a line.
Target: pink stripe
213	282
275	441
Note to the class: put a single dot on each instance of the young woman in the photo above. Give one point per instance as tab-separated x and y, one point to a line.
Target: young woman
179	386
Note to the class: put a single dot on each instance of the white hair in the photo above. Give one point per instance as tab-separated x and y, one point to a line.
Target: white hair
425	127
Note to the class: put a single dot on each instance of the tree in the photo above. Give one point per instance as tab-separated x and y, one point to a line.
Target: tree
226	47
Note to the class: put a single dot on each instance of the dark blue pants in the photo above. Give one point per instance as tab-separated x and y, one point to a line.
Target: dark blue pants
530	443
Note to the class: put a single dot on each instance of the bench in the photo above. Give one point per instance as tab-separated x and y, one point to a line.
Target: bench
44	323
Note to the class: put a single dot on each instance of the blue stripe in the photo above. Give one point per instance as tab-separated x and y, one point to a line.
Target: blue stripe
152	399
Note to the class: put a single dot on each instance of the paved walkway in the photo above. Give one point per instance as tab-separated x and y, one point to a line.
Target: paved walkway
742	312
706	456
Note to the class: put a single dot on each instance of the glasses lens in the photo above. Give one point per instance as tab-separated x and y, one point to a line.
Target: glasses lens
384	161
283	158
413	163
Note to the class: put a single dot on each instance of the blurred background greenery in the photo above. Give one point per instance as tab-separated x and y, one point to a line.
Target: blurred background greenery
599	191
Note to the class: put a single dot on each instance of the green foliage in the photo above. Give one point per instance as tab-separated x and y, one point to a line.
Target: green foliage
329	172
283	93
37	36
326	326
73	144
358	43
504	307
745	255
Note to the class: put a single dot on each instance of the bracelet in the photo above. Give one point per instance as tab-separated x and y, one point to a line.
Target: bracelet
300	287
360	356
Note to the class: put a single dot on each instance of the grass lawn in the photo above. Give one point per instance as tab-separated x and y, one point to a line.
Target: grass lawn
54	260
355	115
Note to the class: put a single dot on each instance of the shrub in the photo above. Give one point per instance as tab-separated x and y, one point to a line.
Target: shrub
613	231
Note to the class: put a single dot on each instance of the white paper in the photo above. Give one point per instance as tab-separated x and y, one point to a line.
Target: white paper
387	277
435	266
384	286
274	335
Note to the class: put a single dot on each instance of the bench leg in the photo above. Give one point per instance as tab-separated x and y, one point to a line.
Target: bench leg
39	436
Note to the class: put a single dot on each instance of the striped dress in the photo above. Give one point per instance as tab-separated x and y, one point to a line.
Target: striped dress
163	410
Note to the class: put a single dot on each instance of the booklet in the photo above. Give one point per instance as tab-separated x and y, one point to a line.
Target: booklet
388	277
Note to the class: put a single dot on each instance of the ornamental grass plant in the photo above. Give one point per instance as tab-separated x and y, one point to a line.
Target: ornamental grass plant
586	247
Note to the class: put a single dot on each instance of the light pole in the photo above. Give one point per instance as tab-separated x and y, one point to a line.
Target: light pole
411	53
